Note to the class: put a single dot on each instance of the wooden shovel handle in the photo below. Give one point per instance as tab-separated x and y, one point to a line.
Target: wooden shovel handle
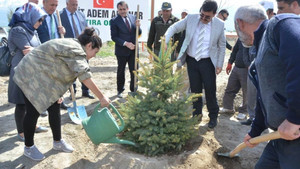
62	36
72	93
255	140
136	46
59	23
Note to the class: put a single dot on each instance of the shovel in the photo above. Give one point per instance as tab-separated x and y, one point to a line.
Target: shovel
76	113
136	52
255	140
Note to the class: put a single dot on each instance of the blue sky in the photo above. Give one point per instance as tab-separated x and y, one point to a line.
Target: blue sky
192	6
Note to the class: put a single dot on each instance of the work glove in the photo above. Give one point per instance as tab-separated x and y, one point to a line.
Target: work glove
228	68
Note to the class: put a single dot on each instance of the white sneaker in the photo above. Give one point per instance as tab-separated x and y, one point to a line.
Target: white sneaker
33	153
62	146
241	116
223	110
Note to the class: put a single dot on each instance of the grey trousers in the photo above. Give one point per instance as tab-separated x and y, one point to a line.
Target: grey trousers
251	97
237	80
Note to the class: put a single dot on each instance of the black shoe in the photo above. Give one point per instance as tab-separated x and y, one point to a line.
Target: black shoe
88	95
247	122
212	123
64	106
120	95
44	114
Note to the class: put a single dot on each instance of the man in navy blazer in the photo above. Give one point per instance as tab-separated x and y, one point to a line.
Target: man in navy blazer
44	31
66	19
70	15
123	28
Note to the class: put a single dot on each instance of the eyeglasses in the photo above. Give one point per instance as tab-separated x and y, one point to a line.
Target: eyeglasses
207	17
225	18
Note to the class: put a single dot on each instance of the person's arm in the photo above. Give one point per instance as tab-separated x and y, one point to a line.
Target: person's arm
176	28
89	83
257	127
114	30
177	35
20	40
221	51
228	46
232	57
151	36
287	40
234	52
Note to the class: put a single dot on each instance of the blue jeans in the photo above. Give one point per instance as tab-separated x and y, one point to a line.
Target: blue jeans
281	154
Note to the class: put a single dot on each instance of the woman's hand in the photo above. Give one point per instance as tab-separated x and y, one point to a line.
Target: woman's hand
104	101
27	49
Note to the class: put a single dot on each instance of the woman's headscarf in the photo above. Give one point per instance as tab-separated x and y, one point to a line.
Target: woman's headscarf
29	14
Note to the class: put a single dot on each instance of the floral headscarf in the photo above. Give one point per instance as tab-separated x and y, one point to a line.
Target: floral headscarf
29	14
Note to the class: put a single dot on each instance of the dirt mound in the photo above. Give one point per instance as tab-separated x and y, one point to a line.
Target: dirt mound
200	152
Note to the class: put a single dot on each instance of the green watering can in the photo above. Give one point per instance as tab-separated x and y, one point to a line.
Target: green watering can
101	126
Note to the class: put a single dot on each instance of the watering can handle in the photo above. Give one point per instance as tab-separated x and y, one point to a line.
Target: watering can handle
118	114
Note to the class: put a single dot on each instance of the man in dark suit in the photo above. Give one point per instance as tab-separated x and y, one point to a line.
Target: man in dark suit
49	28
123	28
74	22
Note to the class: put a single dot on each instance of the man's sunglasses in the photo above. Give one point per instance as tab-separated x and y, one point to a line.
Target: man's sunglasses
205	16
225	18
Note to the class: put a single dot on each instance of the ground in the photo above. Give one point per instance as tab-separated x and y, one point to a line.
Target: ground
200	152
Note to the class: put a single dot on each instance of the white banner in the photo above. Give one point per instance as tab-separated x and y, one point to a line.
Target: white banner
99	12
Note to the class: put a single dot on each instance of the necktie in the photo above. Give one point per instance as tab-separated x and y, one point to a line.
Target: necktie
52	25
74	26
200	46
127	24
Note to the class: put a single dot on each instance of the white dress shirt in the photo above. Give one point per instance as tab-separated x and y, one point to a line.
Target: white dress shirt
76	21
191	51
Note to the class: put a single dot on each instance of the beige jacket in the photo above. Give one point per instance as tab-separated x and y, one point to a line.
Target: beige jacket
217	38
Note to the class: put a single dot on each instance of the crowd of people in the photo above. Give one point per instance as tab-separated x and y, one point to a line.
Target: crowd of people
263	63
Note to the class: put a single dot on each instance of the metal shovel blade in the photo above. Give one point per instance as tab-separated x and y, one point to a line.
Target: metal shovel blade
255	140
77	113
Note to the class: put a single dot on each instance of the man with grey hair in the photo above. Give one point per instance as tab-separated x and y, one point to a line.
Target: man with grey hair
246	23
275	73
256	30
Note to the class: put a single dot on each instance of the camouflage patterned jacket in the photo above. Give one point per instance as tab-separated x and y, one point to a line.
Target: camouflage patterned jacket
47	72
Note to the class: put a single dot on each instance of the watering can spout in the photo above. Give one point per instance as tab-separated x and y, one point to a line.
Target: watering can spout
119	141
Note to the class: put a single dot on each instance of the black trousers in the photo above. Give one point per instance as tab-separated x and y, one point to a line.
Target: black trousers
122	61
202	73
84	89
32	116
20	112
